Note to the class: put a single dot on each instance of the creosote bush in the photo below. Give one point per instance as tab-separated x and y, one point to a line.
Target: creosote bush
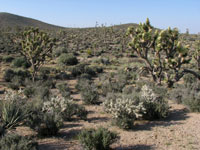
188	94
20	62
45	123
99	139
12	141
64	89
67	59
89	94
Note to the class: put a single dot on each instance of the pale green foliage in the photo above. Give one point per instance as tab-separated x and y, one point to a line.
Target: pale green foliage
124	107
148	94
36	47
56	104
156	106
162	52
65	107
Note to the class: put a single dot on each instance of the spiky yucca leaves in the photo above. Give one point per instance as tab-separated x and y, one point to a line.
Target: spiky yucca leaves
161	51
36	46
12	111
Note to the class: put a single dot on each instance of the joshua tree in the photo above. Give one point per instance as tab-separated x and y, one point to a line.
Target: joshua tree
162	52
36	46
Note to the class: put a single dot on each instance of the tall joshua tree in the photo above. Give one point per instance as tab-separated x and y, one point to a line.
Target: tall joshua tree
36	46
162	52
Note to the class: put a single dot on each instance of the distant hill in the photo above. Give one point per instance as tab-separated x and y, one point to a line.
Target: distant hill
13	21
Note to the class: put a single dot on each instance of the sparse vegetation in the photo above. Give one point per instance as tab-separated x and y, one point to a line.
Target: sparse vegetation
96	79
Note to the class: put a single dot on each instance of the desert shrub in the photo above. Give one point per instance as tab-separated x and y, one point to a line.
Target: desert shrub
187	94
45	123
20	62
124	110
105	61
67	59
85	76
189	80
16	142
62	76
12	110
176	94
156	106
58	51
29	91
128	89
77	70
99	139
7	59
89	94
89	71
44	73
81	69
38	89
64	89
97	69
9	74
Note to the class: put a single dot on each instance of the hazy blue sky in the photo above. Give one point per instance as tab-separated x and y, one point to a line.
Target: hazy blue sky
83	13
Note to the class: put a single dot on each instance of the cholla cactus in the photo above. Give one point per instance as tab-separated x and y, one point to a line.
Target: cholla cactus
58	104
148	94
156	106
122	107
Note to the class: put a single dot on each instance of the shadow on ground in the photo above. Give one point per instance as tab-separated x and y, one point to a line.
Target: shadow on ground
175	117
135	147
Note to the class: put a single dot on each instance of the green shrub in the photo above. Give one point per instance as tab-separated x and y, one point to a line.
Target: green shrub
89	94
67	59
99	139
20	62
86	76
82	83
156	106
7	59
29	91
64	89
16	142
82	69
18	74
8	75
62	76
45	123
58	51
187	94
